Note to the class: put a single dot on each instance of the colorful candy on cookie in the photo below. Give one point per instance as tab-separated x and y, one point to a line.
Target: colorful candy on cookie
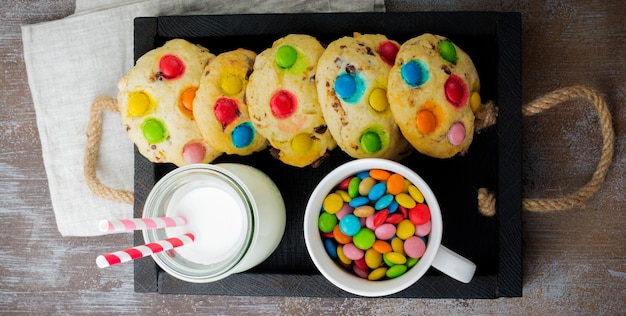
379	229
220	109
155	100
352	88
282	101
433	94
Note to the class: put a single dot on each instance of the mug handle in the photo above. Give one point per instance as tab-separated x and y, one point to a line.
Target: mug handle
454	265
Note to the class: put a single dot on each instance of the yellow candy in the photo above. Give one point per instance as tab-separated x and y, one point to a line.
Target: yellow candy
344	195
377	274
301	143
373	258
405	229
397	245
333	203
342	257
139	103
416	194
475	101
396	258
231	84
405	200
378	100
407	184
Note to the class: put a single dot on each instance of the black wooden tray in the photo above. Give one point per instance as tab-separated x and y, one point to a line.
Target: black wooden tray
493	161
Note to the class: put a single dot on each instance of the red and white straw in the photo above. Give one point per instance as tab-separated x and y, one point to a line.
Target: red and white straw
120	225
129	254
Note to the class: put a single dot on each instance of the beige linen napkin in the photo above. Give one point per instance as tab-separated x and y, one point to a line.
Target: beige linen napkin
71	61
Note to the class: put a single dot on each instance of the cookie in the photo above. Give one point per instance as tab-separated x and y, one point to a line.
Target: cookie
155	101
219	107
282	101
351	83
433	89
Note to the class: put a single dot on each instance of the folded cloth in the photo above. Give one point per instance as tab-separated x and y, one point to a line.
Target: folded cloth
69	62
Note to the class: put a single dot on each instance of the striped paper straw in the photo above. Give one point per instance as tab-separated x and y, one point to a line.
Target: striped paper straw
120	225
129	254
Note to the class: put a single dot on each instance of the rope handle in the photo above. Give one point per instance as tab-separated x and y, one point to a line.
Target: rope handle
94	134
486	199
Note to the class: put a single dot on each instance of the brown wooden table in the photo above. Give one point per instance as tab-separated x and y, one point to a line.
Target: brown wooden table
574	261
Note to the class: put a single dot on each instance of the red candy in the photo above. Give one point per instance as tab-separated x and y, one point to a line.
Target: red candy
388	51
171	67
380	217
283	104
404	211
361	264
420	214
344	184
226	110
456	91
394	218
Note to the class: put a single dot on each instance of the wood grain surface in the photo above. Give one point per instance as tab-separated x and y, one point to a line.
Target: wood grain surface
574	261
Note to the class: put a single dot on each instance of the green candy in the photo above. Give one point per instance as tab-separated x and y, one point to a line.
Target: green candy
387	262
370	142
410	262
286	56
327	222
396	271
153	130
447	51
364	239
353	187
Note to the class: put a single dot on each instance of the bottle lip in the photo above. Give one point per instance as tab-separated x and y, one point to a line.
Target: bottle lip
157	202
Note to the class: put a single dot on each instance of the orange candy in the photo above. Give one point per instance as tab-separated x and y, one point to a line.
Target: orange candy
426	121
379	174
188	96
395	184
341	237
186	101
382	246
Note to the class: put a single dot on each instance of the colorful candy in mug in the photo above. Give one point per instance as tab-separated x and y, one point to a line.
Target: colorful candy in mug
375	224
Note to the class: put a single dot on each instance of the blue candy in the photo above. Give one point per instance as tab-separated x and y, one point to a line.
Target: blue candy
363	174
345	86
393	206
414	73
243	135
384	202
349	225
359	201
377	191
349	87
331	248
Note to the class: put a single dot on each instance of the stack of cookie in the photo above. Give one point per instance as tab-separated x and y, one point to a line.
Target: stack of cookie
365	93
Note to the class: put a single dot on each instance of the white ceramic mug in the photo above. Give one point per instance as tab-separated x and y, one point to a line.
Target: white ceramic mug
235	212
436	255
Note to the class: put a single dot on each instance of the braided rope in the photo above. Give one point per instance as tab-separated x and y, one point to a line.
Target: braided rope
94	134
588	190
